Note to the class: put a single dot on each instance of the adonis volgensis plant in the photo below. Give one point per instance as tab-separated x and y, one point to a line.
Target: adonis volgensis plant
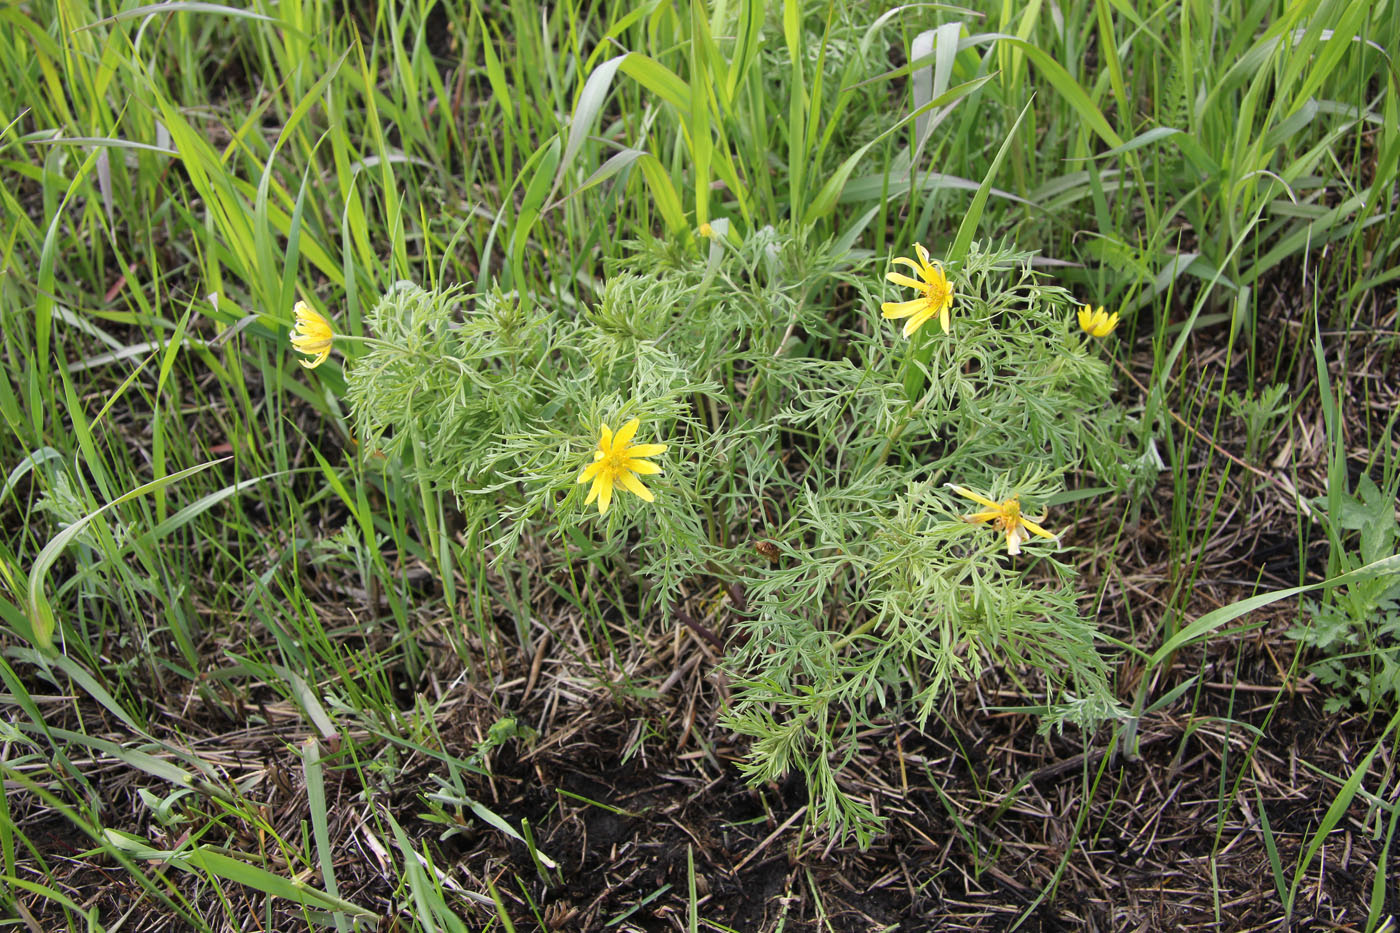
818	466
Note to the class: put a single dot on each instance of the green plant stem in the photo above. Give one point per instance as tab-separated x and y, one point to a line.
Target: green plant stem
910	409
853	634
792	325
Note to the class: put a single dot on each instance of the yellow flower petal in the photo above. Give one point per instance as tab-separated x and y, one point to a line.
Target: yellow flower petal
1006	517
899	278
932	282
893	309
632	484
646	450
920	319
645	467
605	495
1095	323
1037	529
627	432
963	491
590	471
923	256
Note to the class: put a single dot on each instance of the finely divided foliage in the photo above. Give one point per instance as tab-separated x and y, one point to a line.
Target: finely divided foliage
879	578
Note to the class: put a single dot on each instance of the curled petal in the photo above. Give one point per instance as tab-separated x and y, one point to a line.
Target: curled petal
311	342
923	256
320	358
1032	526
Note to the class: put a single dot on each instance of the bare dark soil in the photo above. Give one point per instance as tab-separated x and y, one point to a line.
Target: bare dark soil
981	817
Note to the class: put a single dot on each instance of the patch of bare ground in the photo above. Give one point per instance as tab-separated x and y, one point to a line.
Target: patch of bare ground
982	816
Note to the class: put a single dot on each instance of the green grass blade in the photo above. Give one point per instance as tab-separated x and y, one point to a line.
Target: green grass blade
968	227
320	824
1376	908
1334	814
41	613
1216	618
1271	848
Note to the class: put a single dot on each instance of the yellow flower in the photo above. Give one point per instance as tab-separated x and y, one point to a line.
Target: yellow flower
938	293
706	230
1096	323
615	461
1004	516
312	335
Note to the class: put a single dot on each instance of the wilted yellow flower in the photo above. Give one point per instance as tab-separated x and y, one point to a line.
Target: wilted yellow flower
1097	323
615	461
312	335
937	291
1004	516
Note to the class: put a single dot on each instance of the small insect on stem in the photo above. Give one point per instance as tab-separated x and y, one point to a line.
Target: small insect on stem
769	550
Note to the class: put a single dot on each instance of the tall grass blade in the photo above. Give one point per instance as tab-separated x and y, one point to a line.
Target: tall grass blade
40	612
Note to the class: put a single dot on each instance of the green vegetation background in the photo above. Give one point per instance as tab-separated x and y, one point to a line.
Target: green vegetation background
177	175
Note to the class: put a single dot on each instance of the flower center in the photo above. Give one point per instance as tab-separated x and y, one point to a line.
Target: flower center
1010	515
615	462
